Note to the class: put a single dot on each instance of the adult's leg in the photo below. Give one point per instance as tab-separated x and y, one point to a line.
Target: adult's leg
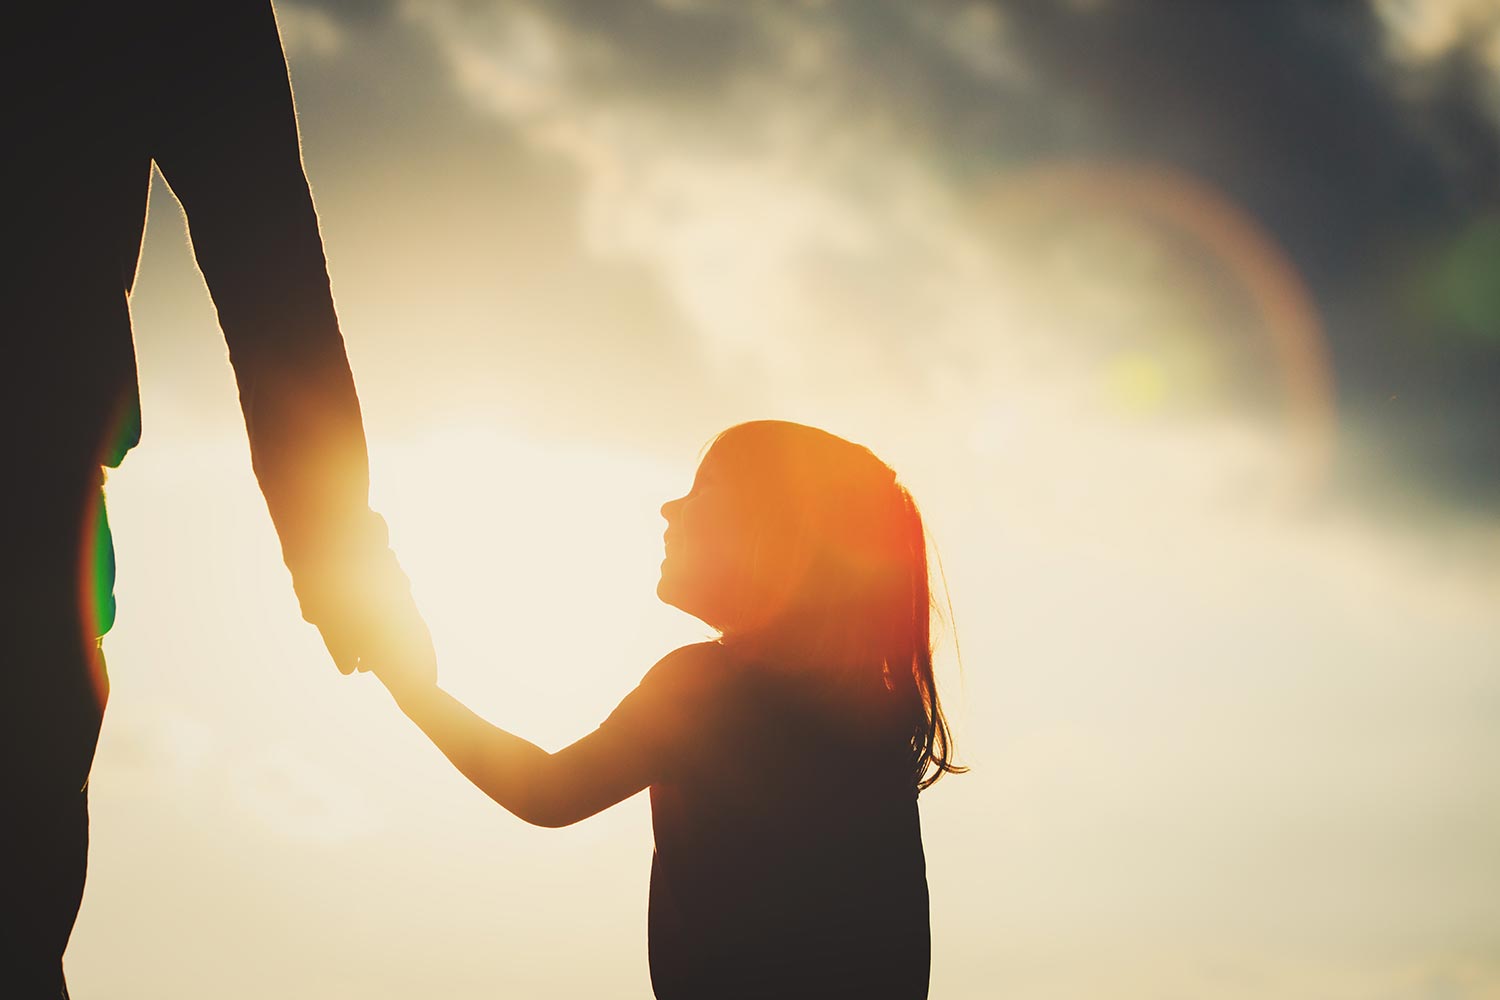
50	711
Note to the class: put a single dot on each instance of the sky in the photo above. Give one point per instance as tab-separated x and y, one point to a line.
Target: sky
1178	321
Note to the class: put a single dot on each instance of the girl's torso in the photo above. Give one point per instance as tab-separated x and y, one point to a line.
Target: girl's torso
788	849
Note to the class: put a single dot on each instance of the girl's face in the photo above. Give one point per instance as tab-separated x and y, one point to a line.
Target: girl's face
709	541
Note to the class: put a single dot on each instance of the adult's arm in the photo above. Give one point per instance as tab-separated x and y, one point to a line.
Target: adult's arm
225	138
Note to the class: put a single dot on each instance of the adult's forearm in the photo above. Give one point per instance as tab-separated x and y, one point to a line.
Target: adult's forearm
302	413
223	131
256	239
307	447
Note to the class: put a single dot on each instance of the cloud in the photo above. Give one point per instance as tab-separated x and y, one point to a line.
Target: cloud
714	141
806	181
309	31
299	799
1182	699
1422	34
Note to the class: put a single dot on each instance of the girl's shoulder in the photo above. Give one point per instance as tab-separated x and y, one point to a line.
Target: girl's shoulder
693	654
689	658
694	667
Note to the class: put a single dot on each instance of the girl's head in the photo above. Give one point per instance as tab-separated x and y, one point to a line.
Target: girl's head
804	547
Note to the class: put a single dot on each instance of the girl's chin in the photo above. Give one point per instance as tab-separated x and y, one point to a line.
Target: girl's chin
670	590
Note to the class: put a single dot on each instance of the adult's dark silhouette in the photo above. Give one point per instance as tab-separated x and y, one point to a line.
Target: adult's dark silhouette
96	92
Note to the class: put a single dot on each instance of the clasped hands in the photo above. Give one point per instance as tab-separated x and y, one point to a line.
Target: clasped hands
369	622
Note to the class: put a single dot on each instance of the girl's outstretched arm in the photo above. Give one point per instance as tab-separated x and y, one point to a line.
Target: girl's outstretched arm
545	789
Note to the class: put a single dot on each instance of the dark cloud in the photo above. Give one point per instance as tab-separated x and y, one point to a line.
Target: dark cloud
1378	177
1368	176
1374	176
349	11
705	46
410	180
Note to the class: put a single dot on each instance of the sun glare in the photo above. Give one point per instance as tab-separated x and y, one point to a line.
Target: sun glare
536	565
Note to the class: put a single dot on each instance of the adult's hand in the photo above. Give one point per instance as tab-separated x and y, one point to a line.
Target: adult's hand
361	603
384	635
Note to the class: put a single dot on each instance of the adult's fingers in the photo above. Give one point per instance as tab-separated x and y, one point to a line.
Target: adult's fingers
345	655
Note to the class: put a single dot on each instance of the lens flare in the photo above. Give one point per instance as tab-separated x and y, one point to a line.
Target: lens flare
96	589
1186	207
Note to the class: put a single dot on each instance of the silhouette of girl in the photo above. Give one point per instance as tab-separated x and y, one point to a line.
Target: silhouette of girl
784	759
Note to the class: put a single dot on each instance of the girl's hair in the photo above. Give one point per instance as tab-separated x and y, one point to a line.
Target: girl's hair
838	576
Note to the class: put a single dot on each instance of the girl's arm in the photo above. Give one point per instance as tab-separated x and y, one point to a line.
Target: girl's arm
545	789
